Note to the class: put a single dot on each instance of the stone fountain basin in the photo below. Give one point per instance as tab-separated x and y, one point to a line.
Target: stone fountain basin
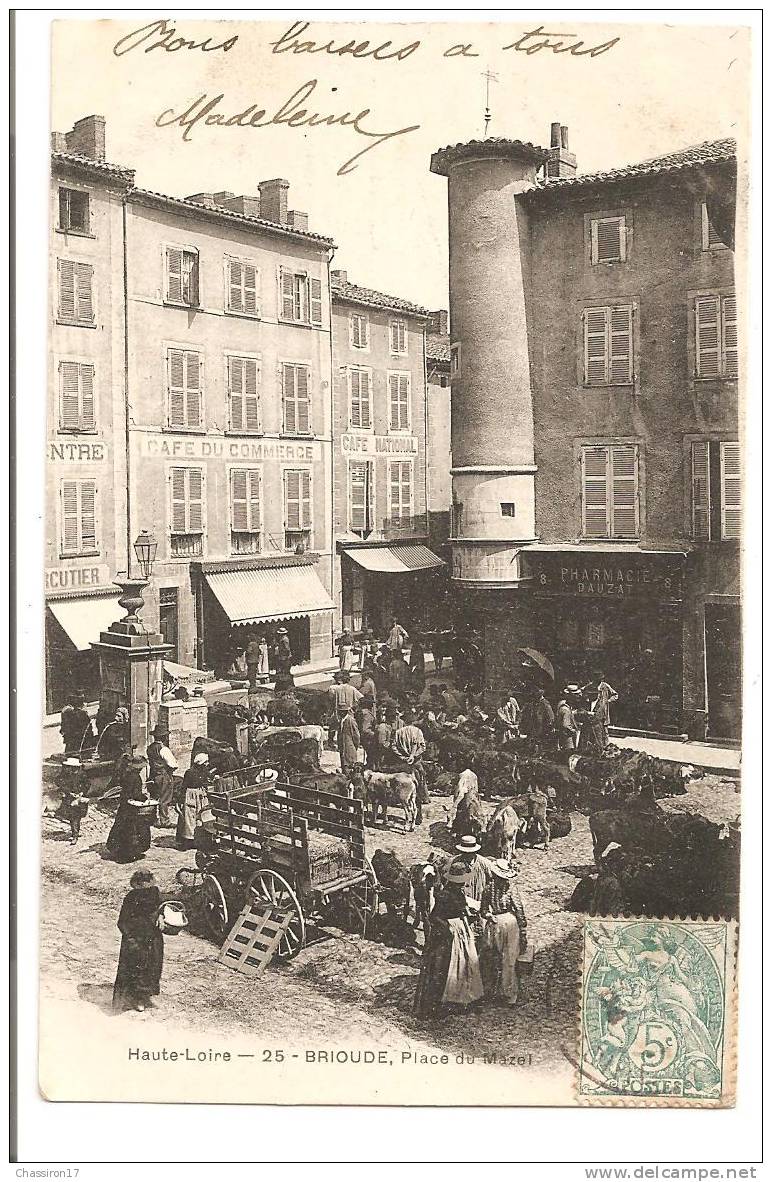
95	773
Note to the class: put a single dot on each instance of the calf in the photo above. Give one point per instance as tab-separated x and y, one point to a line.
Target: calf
394	882
423	879
502	831
395	790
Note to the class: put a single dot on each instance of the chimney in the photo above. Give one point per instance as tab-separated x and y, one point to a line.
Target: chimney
298	220
339	276
222	198
206	199
87	137
561	162
248	206
58	141
273	200
438	323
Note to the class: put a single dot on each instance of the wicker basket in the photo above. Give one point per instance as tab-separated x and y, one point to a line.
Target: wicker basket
329	856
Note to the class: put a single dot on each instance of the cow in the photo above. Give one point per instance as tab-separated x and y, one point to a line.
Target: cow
395	790
632	829
393	881
469	815
499	839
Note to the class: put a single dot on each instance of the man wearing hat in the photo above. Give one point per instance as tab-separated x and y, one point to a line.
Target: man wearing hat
565	722
163	765
468	858
284	656
343	696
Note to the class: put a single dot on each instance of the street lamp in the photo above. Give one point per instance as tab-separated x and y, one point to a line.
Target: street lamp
145	548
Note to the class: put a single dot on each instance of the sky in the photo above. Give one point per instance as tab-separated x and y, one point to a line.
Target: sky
657	88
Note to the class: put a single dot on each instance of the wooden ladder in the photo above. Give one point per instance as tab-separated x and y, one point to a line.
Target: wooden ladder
253	939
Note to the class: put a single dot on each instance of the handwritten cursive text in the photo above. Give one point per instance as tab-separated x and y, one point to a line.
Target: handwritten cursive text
289	43
536	40
163	35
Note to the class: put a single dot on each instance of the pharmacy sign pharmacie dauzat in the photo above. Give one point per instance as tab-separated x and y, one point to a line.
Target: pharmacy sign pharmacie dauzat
638	576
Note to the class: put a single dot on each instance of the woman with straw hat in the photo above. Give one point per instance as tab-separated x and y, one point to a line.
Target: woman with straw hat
141	958
450	970
505	932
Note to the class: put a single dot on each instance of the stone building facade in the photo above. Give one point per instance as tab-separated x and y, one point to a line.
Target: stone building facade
596	455
439	496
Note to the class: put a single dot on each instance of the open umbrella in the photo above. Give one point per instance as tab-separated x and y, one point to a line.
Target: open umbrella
539	659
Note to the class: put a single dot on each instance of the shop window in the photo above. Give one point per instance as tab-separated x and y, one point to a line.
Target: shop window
608	240
185	393
300	297
244	394
361	497
359	331
398	337
360	399
715	329
610	491
400	493
182	276
296	399
74	212
76	397
78	518
608	345
297	510
245	510
399	401
242	283
186	491
76	292
716	490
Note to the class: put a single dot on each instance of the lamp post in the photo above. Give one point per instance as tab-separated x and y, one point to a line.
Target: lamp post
145	548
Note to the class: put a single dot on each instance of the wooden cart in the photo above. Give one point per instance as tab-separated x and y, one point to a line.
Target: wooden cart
299	849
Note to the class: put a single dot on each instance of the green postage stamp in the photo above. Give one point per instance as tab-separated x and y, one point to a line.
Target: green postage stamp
657	1012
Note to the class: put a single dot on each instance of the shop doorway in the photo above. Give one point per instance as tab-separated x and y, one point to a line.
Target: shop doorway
723	666
169	620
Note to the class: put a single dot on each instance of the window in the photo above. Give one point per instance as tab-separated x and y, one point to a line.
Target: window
608	240
185	393
507	508
241	286
76	299
715	328
79	524
187	512
610	491
716	490
361	497
296	399
182	276
399	401
400	492
76	396
74	210
300	297
360	399
710	239
398	336
608	345
244	394
245	510
297	509
359	331
455	358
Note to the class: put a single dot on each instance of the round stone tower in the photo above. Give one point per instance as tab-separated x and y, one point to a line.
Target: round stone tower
491	405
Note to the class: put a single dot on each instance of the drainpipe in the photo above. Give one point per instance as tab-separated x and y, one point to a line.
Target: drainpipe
330	256
126	417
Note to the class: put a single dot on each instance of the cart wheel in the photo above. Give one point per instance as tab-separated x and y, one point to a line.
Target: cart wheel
266	886
214	909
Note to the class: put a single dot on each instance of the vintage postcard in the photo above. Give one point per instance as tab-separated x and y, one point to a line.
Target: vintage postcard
395	448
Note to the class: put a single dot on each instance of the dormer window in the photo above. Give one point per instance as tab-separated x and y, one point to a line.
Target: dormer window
74	211
608	240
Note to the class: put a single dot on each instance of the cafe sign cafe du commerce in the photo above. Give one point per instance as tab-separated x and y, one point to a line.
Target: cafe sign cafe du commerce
604	576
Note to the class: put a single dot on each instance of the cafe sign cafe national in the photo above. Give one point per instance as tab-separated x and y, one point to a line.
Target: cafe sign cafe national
648	577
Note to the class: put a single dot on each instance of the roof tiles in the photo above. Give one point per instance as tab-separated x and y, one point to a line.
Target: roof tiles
354	294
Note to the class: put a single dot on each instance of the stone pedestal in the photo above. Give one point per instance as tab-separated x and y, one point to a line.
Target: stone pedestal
186	721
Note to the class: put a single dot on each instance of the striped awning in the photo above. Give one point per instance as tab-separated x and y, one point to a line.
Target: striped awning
395	560
83	619
273	593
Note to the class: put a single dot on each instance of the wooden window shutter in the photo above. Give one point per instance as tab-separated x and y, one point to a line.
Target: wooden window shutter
195	500
596	346
287	294
595	523
365	393
176	365
624	491
239	500
731	490
701	490
289	400
621	345
250	304
84	302
358	496
355	389
710	239
292	500
729	336
179	500
235	286
707	313
88	524
64	209
305	500
69	395
190	278
251	394
236	392
192	390
316	301
70	522
253	495
393	399
66	289
608	240
302	381
87	407
174	274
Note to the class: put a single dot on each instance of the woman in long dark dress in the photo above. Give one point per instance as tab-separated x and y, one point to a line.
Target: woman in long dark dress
450	970
130	836
141	958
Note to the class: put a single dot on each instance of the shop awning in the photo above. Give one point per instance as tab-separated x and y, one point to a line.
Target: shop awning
395	560
273	593
83	619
